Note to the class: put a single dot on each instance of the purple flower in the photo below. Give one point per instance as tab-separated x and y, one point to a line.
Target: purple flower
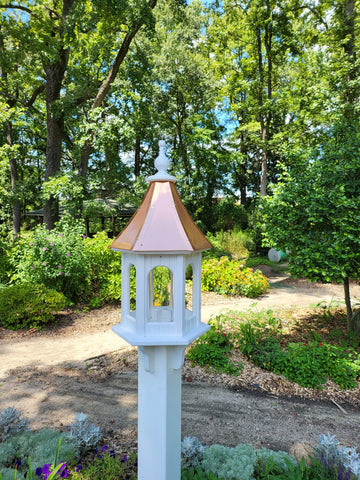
59	266
30	244
32	268
60	273
18	463
61	235
44	248
68	254
66	274
78	468
46	468
44	264
124	459
38	472
104	448
52	244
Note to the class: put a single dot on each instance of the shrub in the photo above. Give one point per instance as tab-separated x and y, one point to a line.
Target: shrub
308	364
56	258
213	349
102	260
5	267
229	277
235	242
40	446
239	463
107	466
336	458
85	435
192	452
29	306
11	423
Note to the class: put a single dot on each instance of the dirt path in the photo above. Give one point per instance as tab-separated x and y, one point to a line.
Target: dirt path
84	367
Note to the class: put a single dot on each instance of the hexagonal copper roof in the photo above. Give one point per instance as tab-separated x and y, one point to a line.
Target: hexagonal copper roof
161	224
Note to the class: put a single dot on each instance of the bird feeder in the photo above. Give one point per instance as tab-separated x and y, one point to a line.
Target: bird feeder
160	234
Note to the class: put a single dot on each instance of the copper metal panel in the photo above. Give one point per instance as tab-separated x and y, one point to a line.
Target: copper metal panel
127	238
161	224
162	230
194	234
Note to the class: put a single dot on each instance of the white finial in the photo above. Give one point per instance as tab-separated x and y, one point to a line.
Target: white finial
162	163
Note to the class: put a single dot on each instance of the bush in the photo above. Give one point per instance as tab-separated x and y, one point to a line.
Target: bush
239	463
236	242
84	434
5	267
27	306
229	277
213	349
12	422
308	364
102	261
56	258
40	446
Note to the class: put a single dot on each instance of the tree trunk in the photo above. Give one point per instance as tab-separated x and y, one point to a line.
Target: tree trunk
14	176
263	132
55	131
350	94
348	303
55	72
105	87
137	168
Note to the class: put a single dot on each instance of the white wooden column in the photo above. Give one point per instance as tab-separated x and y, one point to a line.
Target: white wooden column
159	412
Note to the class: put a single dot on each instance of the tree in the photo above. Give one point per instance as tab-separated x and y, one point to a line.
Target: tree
20	107
252	44
80	46
314	213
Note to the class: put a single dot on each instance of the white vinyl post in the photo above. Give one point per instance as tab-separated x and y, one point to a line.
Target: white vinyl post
159	412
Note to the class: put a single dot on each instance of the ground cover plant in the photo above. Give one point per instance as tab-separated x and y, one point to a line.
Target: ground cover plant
327	461
309	356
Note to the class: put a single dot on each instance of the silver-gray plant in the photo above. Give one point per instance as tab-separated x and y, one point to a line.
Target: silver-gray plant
11	423
86	435
332	454
192	452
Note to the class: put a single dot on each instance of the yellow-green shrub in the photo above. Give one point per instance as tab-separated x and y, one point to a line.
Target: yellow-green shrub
230	277
27	306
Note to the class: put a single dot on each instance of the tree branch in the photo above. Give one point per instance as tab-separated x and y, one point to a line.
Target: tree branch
35	94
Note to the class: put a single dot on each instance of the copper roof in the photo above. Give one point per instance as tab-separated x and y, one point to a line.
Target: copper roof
161	224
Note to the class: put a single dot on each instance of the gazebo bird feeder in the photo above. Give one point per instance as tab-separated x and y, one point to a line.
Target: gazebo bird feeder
160	234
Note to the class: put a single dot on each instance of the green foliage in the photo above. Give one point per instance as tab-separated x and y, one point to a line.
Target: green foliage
237	242
230	215
108	467
5	267
40	446
56	258
26	306
314	211
229	277
198	474
161	286
213	348
294	471
308	364
103	263
240	462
